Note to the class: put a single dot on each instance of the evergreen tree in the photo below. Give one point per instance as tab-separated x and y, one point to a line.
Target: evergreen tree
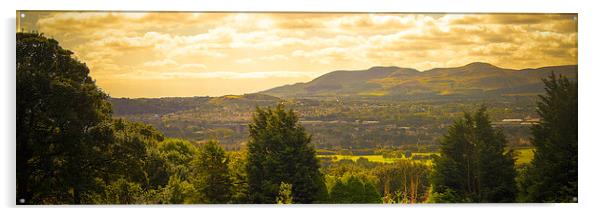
213	178
474	166
279	151
553	176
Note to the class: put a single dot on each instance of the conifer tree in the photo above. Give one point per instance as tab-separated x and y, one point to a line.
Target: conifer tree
279	150
553	176
474	165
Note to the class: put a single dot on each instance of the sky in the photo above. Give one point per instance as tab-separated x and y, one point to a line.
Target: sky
183	54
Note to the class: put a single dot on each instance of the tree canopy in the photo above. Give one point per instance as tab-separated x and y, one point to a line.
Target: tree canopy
279	151
553	173
63	124
474	166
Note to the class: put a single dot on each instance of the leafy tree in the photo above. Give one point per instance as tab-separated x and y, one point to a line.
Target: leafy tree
351	189
473	166
123	192
179	154
553	175
279	151
238	171
177	191
213	177
131	153
63	124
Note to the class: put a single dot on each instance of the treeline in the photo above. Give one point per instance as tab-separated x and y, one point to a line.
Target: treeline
70	150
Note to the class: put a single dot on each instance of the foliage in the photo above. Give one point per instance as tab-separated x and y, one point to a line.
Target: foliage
474	164
405	181
553	175
238	172
123	192
285	194
279	151
213	180
63	124
179	154
177	191
352	189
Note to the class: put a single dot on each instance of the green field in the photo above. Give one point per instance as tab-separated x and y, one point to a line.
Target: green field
524	156
376	158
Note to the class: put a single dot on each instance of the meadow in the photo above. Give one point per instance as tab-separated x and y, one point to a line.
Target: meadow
522	155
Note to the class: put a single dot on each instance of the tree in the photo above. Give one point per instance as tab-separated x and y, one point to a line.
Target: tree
352	189
404	181
279	151
122	192
63	124
177	191
132	154
553	172
474	166
179	155
238	171
213	177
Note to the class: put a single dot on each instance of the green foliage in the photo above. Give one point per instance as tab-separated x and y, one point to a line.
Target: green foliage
285	194
237	167
553	175
446	196
352	189
123	192
63	124
177	191
473	164
213	181
279	151
179	154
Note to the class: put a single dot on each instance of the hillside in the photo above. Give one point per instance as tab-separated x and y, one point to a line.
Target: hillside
161	106
474	79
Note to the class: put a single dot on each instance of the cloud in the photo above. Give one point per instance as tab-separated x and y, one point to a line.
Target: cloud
165	45
160	63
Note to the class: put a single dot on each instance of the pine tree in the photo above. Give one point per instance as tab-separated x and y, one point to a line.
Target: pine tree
553	176
279	150
474	166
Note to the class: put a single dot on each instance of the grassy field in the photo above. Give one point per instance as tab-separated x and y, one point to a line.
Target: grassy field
376	158
524	155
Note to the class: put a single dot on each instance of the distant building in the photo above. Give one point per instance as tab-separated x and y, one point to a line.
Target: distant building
311	122
370	122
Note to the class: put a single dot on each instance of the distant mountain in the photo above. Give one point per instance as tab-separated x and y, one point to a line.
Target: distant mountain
474	79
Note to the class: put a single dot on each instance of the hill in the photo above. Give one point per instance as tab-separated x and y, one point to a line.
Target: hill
161	106
473	80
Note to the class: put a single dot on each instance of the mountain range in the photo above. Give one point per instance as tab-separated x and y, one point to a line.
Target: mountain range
474	79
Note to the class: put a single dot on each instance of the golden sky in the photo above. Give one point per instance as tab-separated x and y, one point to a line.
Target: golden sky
199	54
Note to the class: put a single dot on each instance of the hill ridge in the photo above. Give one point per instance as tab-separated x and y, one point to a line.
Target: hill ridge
470	79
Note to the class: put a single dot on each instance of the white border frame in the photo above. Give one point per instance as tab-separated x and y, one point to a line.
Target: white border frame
590	75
